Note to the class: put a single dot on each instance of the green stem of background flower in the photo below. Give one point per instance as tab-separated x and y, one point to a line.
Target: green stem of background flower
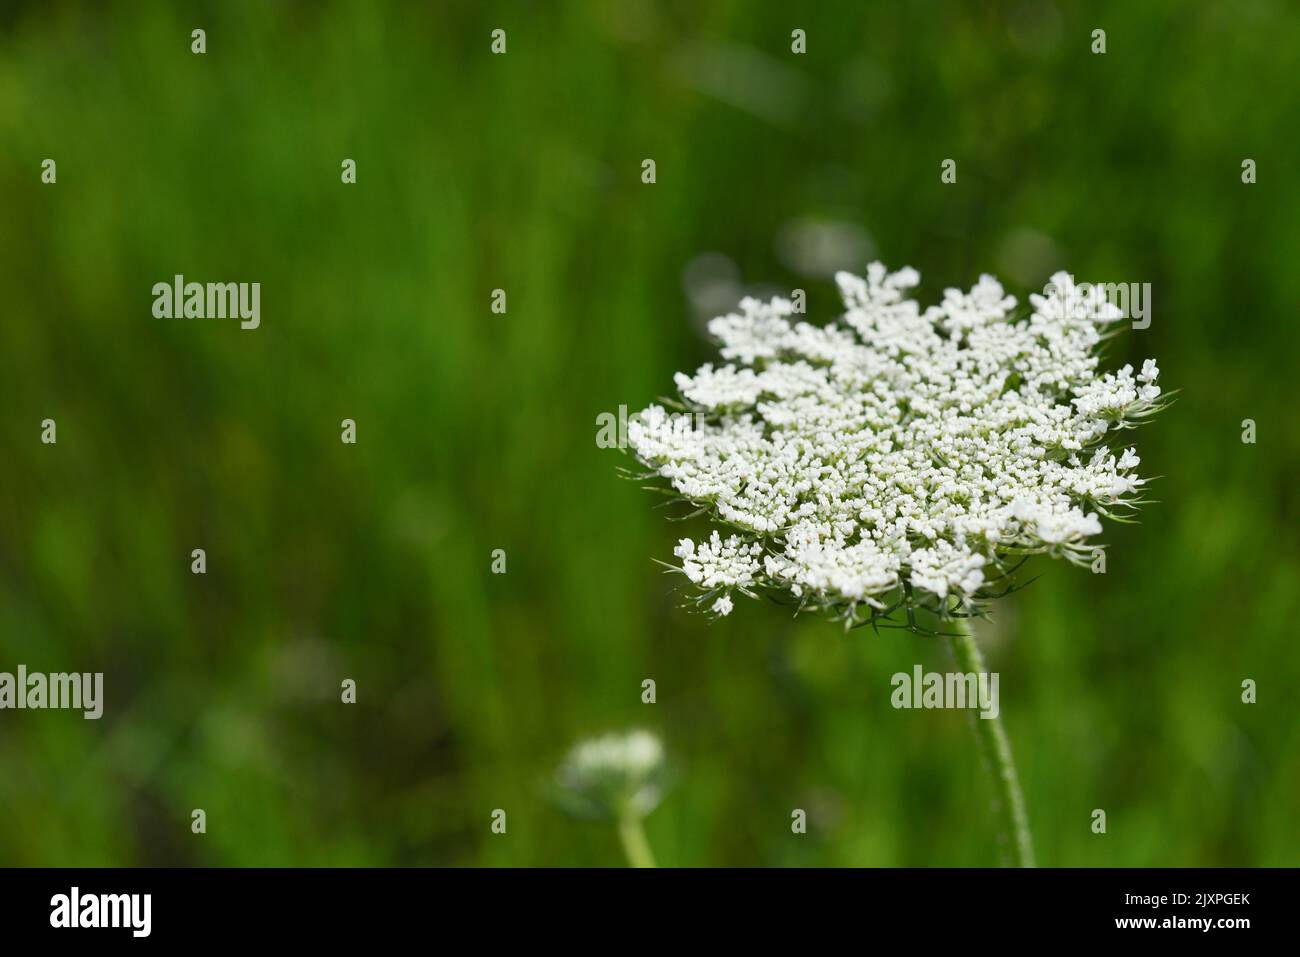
631	833
997	753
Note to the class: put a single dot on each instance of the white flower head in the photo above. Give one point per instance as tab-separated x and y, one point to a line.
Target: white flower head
612	774
899	457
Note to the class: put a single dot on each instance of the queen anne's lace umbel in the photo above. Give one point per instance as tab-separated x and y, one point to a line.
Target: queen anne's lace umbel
899	457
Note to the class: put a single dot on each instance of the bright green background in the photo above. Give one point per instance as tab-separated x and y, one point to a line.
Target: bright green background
476	431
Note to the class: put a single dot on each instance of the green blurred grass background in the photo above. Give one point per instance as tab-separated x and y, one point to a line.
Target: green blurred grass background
476	431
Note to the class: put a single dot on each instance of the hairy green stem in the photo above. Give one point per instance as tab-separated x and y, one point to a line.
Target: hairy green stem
632	835
997	754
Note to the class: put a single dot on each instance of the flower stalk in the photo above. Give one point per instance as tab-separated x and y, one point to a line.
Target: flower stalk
631	834
996	748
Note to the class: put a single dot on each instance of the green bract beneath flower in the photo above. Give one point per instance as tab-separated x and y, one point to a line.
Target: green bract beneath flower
899	457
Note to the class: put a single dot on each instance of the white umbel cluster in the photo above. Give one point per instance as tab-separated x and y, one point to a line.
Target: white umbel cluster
614	774
898	456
